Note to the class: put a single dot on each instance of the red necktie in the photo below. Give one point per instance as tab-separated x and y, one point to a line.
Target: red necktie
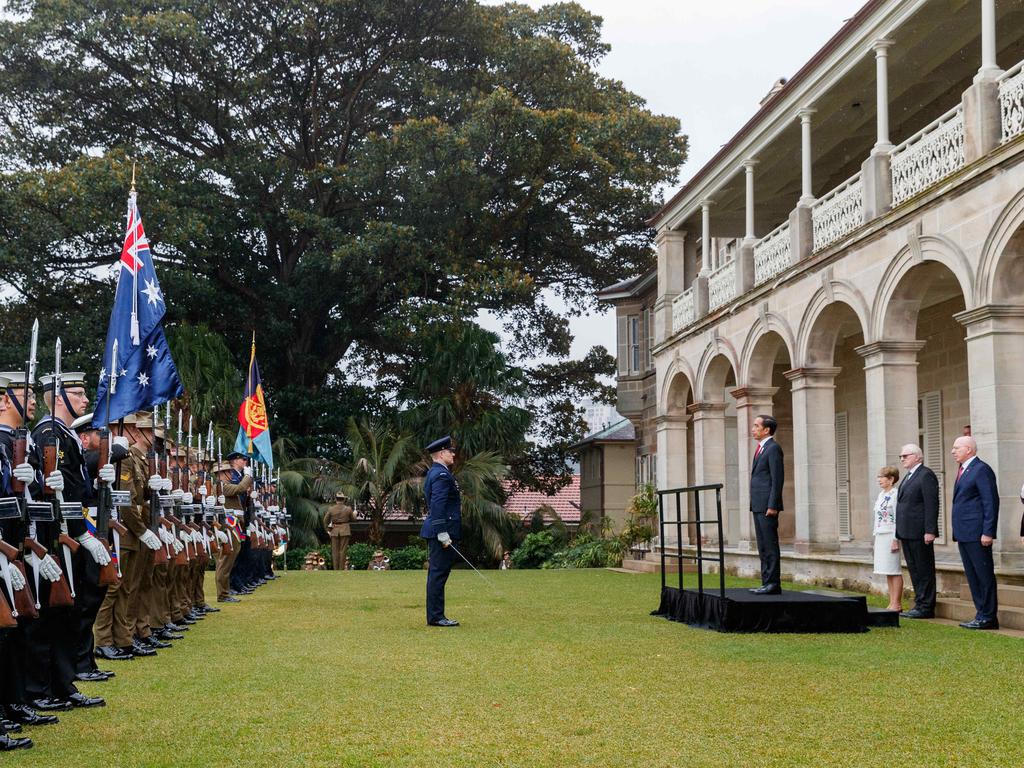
757	452
958	473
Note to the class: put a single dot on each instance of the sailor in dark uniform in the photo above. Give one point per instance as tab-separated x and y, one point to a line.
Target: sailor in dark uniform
442	526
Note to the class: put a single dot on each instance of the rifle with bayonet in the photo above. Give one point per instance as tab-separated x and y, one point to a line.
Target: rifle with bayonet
156	521
181	556
105	519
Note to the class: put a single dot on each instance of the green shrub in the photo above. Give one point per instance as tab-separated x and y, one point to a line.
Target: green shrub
587	551
360	555
535	549
407	558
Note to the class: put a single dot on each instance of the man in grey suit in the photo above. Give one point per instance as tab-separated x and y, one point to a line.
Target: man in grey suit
917	527
767	476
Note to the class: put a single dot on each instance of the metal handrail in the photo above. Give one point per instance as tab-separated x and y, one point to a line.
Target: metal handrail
700	557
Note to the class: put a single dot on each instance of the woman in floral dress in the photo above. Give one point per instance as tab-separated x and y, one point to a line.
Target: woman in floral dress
887	548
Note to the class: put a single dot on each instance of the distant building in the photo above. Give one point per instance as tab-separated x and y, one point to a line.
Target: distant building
598	415
565	501
607	472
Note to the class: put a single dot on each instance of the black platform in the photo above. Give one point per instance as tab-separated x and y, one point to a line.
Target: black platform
741	611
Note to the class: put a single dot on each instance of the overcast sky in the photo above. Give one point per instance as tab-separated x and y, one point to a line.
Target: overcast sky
709	64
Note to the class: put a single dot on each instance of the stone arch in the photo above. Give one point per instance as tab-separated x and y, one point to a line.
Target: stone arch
718	361
676	388
894	311
1001	268
767	322
817	339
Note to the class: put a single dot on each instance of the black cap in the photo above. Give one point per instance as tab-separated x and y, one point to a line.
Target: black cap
440	444
235	455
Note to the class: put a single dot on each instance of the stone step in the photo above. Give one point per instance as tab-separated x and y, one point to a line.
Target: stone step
653	565
1009	595
1010	617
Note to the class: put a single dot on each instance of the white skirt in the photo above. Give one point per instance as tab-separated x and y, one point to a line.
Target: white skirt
887	562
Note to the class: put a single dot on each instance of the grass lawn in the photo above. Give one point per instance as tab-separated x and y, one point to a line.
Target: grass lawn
549	669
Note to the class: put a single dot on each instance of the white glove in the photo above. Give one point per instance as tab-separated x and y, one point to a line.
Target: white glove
209	501
198	538
258	505
165	535
55	480
186	498
95	548
150	540
106	474
185	536
253	494
280	531
166	485
220	500
177	495
47	567
247	471
177	547
444	539
250	531
24	473
222	537
17	580
155	482
120	440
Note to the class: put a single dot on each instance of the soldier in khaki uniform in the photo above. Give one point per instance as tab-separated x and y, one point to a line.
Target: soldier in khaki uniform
338	524
226	559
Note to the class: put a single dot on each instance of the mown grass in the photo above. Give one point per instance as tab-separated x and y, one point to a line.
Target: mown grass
549	669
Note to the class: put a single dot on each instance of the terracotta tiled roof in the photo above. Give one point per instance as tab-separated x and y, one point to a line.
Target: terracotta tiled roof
566	501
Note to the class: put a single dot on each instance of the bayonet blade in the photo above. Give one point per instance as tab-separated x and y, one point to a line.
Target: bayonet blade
113	370
56	370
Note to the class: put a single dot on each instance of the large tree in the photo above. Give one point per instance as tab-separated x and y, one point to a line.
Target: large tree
335	173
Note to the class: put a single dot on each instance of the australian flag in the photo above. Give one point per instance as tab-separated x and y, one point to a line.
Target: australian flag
144	371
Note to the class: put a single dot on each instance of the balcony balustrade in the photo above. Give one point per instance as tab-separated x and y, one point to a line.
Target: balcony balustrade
1011	101
838	213
722	285
771	254
684	310
928	156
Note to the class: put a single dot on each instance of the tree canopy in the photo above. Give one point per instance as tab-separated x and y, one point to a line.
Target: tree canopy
340	175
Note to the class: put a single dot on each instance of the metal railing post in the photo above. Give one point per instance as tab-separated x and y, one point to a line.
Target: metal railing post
661	536
700	550
679	539
721	545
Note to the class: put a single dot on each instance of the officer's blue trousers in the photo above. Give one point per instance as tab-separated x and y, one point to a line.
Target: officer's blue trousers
441	559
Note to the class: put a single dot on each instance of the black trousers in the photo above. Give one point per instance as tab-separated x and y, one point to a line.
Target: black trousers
981	577
241	572
441	560
920	559
14	664
88	599
50	671
767	530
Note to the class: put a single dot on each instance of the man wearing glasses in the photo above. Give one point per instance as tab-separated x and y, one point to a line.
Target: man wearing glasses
442	526
917	527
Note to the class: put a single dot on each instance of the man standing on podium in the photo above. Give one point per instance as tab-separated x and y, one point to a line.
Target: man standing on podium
442	526
767	476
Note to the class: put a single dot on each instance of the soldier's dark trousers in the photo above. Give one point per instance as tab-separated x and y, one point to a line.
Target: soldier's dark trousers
441	561
88	599
51	641
241	573
14	664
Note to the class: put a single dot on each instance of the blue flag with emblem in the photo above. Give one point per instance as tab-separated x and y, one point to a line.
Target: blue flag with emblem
145	373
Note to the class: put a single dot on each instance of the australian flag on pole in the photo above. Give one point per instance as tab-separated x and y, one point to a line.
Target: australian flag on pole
254	426
143	370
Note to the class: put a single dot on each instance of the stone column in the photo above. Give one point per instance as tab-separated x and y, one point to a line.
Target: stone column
671	436
709	462
700	284
876	171
982	117
995	372
745	255
801	229
751	402
814	460
890	378
671	279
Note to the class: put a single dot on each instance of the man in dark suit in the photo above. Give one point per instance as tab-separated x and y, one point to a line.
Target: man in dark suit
766	478
917	527
442	526
975	517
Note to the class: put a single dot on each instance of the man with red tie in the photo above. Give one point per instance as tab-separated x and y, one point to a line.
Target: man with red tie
975	517
767	475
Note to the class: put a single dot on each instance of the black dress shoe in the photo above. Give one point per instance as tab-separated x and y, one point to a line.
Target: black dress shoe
50	705
767	589
444	623
917	613
108	673
9	726
81	701
110	653
228	599
166	634
92	677
186	621
211	609
19	713
7	743
141	649
154	642
978	624
173	627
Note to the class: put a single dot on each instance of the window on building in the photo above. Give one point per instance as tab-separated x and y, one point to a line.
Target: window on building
634	343
929	425
649	339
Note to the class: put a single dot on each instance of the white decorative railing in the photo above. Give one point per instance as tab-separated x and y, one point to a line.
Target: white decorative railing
684	310
838	213
771	254
1011	101
928	156
722	285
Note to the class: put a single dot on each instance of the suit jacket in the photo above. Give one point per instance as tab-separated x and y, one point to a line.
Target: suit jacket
767	475
917	505
444	502
975	503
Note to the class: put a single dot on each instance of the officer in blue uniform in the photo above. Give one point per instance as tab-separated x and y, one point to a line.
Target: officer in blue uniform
442	526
